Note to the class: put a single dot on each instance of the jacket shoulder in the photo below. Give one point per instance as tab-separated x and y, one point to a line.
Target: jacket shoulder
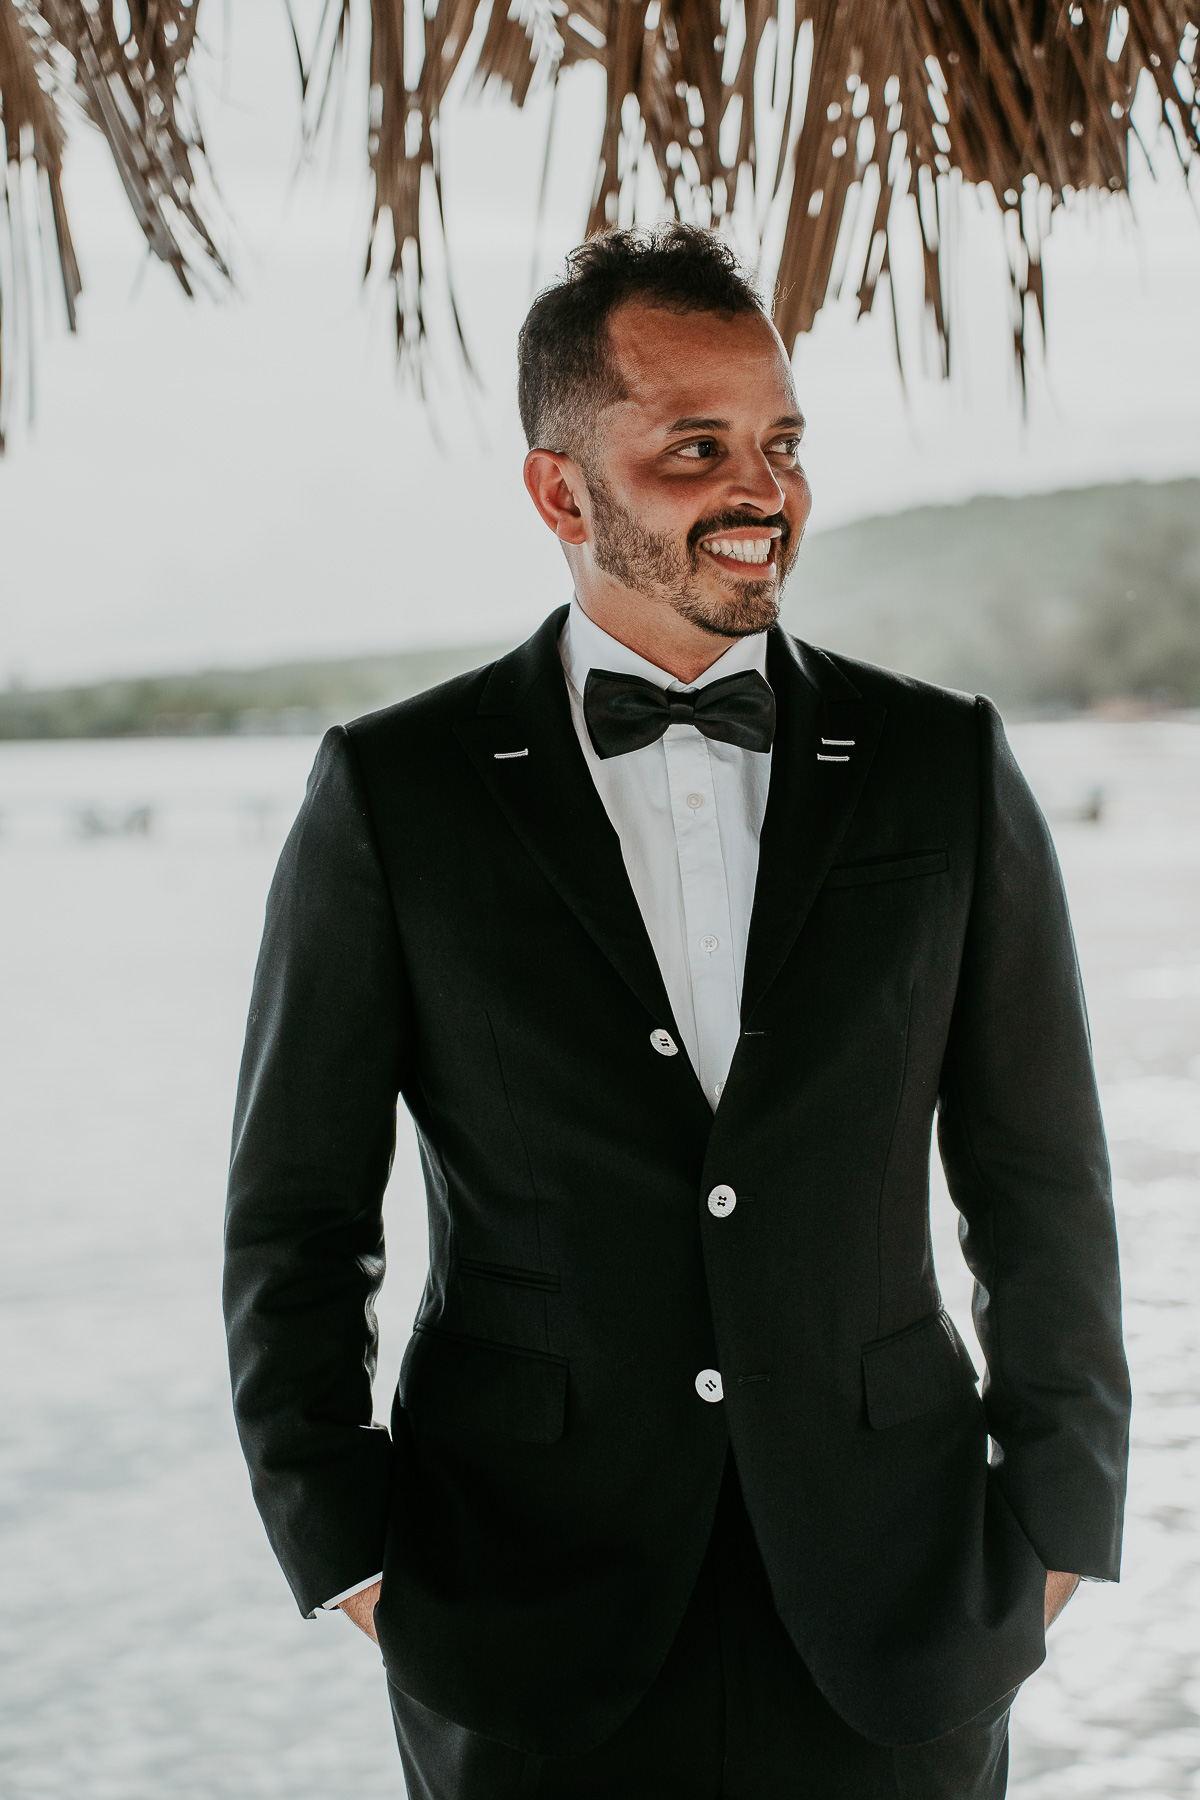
436	707
494	686
900	694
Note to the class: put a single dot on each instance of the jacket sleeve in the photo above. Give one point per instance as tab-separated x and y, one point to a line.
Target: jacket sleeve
313	1140
1022	1143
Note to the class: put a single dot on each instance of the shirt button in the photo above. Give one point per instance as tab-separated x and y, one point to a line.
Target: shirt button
721	1202
694	800
664	1043
708	1386
709	943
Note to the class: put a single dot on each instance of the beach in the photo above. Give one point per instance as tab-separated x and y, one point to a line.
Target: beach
149	1648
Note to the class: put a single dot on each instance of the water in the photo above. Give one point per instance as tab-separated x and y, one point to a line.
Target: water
149	1649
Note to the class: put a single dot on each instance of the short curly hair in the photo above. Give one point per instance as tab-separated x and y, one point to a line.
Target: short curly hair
565	370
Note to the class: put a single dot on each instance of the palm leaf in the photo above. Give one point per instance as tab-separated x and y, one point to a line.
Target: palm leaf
33	212
873	103
59	55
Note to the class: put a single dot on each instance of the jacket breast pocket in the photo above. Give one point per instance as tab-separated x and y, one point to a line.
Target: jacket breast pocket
915	1370
471	1385
888	868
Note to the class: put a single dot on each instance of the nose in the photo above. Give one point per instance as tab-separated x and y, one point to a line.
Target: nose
753	483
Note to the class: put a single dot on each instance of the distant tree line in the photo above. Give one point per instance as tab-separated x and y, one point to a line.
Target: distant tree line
1045	602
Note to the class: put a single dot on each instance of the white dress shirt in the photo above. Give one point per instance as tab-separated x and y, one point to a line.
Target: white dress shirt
688	811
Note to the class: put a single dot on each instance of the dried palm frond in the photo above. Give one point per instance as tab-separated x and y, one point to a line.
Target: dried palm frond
135	89
130	80
834	113
30	184
1028	98
404	107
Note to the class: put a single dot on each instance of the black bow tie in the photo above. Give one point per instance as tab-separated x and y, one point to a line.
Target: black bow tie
624	713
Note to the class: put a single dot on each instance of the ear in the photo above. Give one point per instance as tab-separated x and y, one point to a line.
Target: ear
558	490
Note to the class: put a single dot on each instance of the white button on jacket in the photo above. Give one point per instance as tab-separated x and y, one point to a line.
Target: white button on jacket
688	811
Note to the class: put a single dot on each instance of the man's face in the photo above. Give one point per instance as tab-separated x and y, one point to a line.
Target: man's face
697	495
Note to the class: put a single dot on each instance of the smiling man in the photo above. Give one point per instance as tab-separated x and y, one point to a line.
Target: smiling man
674	934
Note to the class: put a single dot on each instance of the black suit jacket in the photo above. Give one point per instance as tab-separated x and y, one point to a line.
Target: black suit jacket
456	926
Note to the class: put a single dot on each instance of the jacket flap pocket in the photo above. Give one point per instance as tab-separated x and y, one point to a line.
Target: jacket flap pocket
508	1275
888	868
484	1387
923	1366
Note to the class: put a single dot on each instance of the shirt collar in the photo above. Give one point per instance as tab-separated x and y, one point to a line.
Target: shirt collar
585	646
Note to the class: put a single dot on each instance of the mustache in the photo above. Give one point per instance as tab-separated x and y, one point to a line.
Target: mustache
738	519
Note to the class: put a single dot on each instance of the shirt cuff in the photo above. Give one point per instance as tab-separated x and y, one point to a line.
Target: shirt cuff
348	1593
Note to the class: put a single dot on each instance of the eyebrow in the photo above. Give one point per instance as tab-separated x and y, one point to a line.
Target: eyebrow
793	421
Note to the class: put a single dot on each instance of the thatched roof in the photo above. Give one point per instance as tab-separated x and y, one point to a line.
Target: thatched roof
820	116
67	59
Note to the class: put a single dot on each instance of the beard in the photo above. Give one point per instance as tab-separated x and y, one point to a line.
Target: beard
663	568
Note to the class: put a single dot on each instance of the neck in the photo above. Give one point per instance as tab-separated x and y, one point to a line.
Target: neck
656	631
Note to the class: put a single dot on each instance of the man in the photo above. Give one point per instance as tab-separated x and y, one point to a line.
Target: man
673	933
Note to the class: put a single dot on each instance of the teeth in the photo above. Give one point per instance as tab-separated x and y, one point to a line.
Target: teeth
748	550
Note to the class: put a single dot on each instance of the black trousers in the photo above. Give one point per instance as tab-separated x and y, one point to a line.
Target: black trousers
732	1715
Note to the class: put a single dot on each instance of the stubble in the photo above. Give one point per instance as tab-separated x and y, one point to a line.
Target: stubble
666	570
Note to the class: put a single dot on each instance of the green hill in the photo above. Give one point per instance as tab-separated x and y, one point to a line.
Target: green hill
304	696
1050	600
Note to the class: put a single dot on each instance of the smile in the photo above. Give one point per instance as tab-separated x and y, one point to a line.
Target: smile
757	550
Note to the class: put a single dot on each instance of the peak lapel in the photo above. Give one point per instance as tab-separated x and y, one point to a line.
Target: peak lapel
825	742
523	744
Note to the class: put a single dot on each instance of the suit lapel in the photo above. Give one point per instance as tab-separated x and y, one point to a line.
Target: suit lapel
551	802
825	741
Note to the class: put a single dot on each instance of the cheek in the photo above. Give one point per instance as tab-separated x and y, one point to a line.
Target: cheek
799	502
660	499
669	509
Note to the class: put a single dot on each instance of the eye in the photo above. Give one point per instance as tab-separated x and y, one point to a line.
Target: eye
701	450
786	446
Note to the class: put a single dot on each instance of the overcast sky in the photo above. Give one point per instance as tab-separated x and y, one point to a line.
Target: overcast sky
243	481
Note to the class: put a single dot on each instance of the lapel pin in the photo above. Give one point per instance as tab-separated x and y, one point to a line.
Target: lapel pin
508	755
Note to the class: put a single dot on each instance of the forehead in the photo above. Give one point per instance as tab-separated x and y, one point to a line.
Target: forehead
699	365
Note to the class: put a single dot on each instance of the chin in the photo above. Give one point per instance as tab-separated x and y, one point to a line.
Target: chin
751	607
